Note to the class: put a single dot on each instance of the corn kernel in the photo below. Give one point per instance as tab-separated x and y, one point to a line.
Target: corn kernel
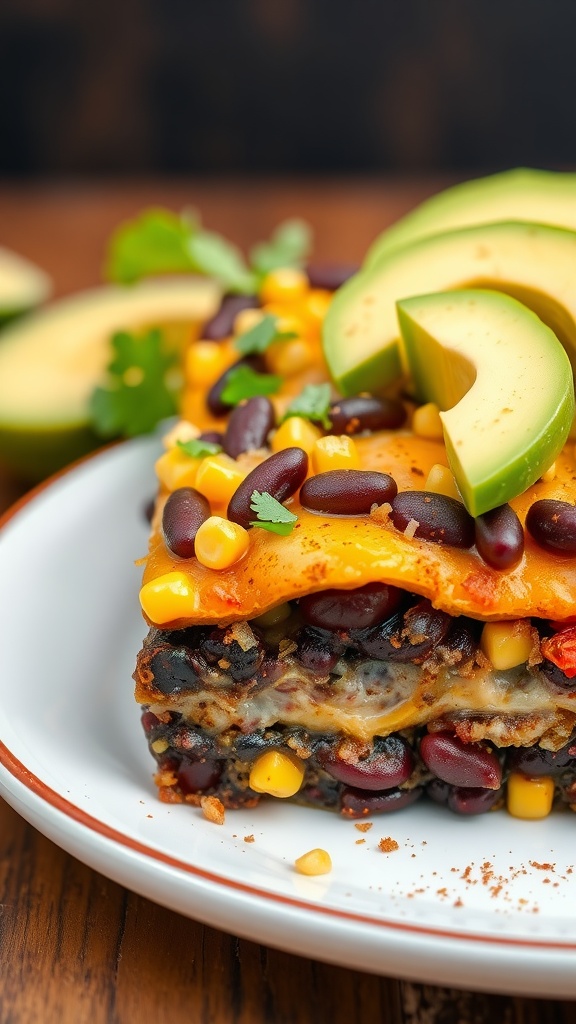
220	543
277	773
274	616
334	452
290	357
295	432
426	422
286	284
246	319
176	469
159	746
169	597
218	477
529	798
315	862
205	363
315	305
507	644
441	481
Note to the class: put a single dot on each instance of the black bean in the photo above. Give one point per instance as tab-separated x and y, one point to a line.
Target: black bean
363	412
552	524
440	519
408	638
214	400
241	664
500	537
330	276
183	514
175	669
351	609
460	764
350	492
534	761
148	509
248	426
388	765
438	791
212	436
280	475
459	645
556	676
222	323
359	803
318	650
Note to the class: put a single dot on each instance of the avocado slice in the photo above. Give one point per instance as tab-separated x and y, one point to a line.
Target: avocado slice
22	285
51	360
532	262
543	197
482	356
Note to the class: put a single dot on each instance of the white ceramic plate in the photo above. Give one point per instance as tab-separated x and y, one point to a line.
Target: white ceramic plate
485	902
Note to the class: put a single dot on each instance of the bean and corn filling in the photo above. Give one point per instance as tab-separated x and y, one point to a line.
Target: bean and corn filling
326	616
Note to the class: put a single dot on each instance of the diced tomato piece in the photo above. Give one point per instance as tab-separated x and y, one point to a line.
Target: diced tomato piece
561	650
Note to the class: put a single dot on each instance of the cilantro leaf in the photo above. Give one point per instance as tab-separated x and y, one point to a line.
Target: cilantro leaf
139	392
260	337
154	242
313	403
243	382
212	254
271	514
289	246
197	449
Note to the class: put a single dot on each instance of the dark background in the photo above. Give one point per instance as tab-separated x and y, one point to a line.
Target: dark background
92	87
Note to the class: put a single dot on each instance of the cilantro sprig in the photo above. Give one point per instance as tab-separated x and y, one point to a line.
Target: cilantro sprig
198	449
261	336
271	514
141	387
289	246
243	382
313	403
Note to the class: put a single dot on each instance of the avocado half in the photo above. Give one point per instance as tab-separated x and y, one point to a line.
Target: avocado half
23	286
544	197
534	263
482	357
51	360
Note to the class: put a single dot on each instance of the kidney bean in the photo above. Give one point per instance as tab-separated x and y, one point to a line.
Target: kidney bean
389	764
213	436
472	800
195	776
440	519
408	638
347	492
248	426
552	524
363	412
359	803
213	399
351	609
317	650
460	764
330	276
182	517
499	537
222	323
280	475
536	761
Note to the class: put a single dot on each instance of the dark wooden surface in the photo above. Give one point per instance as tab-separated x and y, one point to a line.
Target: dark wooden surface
75	946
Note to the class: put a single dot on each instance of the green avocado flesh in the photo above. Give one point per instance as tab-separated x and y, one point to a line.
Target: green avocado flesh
543	197
50	362
22	285
482	357
532	262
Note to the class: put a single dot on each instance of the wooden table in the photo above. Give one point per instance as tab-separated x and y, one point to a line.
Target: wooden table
75	947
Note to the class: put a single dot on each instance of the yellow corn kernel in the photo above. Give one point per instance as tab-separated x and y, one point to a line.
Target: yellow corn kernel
286	284
441	481
507	644
246	319
159	746
426	422
274	616
290	357
183	431
529	798
277	773
205	363
220	543
169	597
218	477
334	452
295	432
315	862
176	469
315	306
